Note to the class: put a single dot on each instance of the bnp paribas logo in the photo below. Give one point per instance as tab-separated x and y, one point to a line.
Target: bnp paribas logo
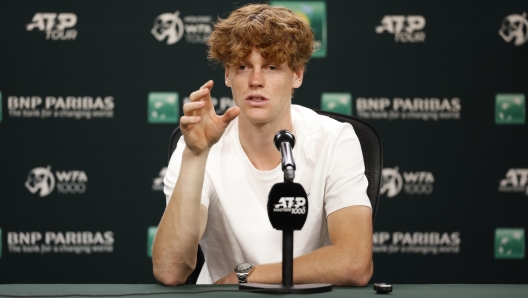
163	107
1	240
340	103
313	12
1	106
509	243
151	232
510	109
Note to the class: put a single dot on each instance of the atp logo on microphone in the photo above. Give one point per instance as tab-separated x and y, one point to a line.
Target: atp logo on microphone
292	205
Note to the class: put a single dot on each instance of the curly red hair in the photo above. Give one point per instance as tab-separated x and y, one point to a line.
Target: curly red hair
277	32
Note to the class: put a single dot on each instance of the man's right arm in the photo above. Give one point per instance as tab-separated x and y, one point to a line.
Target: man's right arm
182	225
184	220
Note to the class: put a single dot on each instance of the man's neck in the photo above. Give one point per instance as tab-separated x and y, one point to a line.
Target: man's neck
257	142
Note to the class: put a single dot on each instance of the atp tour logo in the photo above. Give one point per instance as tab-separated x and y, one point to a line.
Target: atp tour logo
293	205
515	27
41	181
405	28
57	26
413	183
171	27
516	181
157	183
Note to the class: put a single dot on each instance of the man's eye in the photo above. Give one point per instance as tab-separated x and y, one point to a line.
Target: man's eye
241	67
273	67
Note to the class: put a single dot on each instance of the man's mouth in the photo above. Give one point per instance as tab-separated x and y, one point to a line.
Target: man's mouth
256	97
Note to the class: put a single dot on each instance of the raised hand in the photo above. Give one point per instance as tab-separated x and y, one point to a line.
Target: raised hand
200	126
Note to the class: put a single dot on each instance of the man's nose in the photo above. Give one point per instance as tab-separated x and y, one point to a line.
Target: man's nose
257	78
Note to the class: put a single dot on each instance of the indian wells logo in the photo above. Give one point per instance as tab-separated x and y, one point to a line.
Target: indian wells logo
515	27
509	243
163	107
0	106
510	109
150	239
1	243
313	12
168	25
337	102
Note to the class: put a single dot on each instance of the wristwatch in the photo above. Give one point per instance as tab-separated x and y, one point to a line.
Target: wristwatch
242	271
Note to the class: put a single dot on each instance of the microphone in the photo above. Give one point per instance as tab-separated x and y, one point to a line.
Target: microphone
287	212
284	141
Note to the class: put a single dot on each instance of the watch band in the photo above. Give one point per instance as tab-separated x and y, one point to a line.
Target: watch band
242	277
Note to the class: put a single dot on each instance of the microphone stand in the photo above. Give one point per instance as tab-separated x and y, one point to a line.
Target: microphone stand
287	223
287	259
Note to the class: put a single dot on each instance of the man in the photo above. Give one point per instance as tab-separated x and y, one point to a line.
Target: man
220	175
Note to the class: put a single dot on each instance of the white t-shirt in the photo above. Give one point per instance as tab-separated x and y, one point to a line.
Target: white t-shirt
329	165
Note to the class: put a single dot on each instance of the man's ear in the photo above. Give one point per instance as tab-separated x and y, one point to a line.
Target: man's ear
227	81
298	76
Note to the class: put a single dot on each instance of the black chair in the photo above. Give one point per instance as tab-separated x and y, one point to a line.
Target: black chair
372	156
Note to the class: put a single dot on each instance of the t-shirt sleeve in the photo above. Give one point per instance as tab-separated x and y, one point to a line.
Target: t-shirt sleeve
346	184
173	172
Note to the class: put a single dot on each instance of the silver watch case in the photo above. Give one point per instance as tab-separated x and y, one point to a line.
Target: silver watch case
242	271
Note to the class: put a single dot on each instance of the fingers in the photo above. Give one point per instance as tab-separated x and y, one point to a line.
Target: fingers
203	94
188	120
229	115
191	107
208	85
199	94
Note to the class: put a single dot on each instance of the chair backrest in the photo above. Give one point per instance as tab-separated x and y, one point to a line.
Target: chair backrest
370	145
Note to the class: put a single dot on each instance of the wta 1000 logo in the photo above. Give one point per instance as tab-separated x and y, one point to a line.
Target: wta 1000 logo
42	181
413	183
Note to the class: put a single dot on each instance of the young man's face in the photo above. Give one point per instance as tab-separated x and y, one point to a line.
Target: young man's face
262	90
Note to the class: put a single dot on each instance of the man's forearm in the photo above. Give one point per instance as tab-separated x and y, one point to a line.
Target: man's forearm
176	241
331	264
347	262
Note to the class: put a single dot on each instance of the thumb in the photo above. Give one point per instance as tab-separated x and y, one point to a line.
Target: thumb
229	115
